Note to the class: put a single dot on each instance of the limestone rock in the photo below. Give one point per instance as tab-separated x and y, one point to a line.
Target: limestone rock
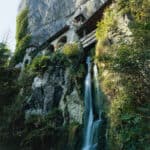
47	17
75	107
55	90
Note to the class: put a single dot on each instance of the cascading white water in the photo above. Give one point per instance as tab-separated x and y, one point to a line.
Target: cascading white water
91	126
98	99
98	95
89	108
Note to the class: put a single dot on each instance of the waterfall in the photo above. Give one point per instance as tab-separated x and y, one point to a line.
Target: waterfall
98	95
98	98
89	117
91	126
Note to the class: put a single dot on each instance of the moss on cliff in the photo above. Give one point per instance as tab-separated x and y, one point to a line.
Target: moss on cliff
123	61
22	36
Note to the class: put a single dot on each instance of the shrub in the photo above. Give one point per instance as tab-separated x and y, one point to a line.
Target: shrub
21	48
40	64
8	85
71	50
104	26
4	55
58	58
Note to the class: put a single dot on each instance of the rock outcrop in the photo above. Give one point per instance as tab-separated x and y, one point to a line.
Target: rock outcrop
55	90
47	17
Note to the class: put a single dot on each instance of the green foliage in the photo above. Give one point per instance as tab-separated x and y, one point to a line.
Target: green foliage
126	74
139	10
41	132
77	71
74	56
21	48
22	24
8	85
130	61
71	50
128	125
108	23
4	55
59	59
37	131
104	26
77	74
53	119
45	132
22	37
9	88
40	64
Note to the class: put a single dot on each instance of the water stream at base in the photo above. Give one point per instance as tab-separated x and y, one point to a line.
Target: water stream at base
91	126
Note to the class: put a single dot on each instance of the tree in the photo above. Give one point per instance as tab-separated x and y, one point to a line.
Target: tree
4	55
8	87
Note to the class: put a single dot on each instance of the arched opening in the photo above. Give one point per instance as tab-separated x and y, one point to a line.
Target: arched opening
63	39
51	48
61	42
79	20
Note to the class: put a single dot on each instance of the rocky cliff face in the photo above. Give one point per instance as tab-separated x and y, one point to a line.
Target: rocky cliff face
52	101
47	17
55	90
